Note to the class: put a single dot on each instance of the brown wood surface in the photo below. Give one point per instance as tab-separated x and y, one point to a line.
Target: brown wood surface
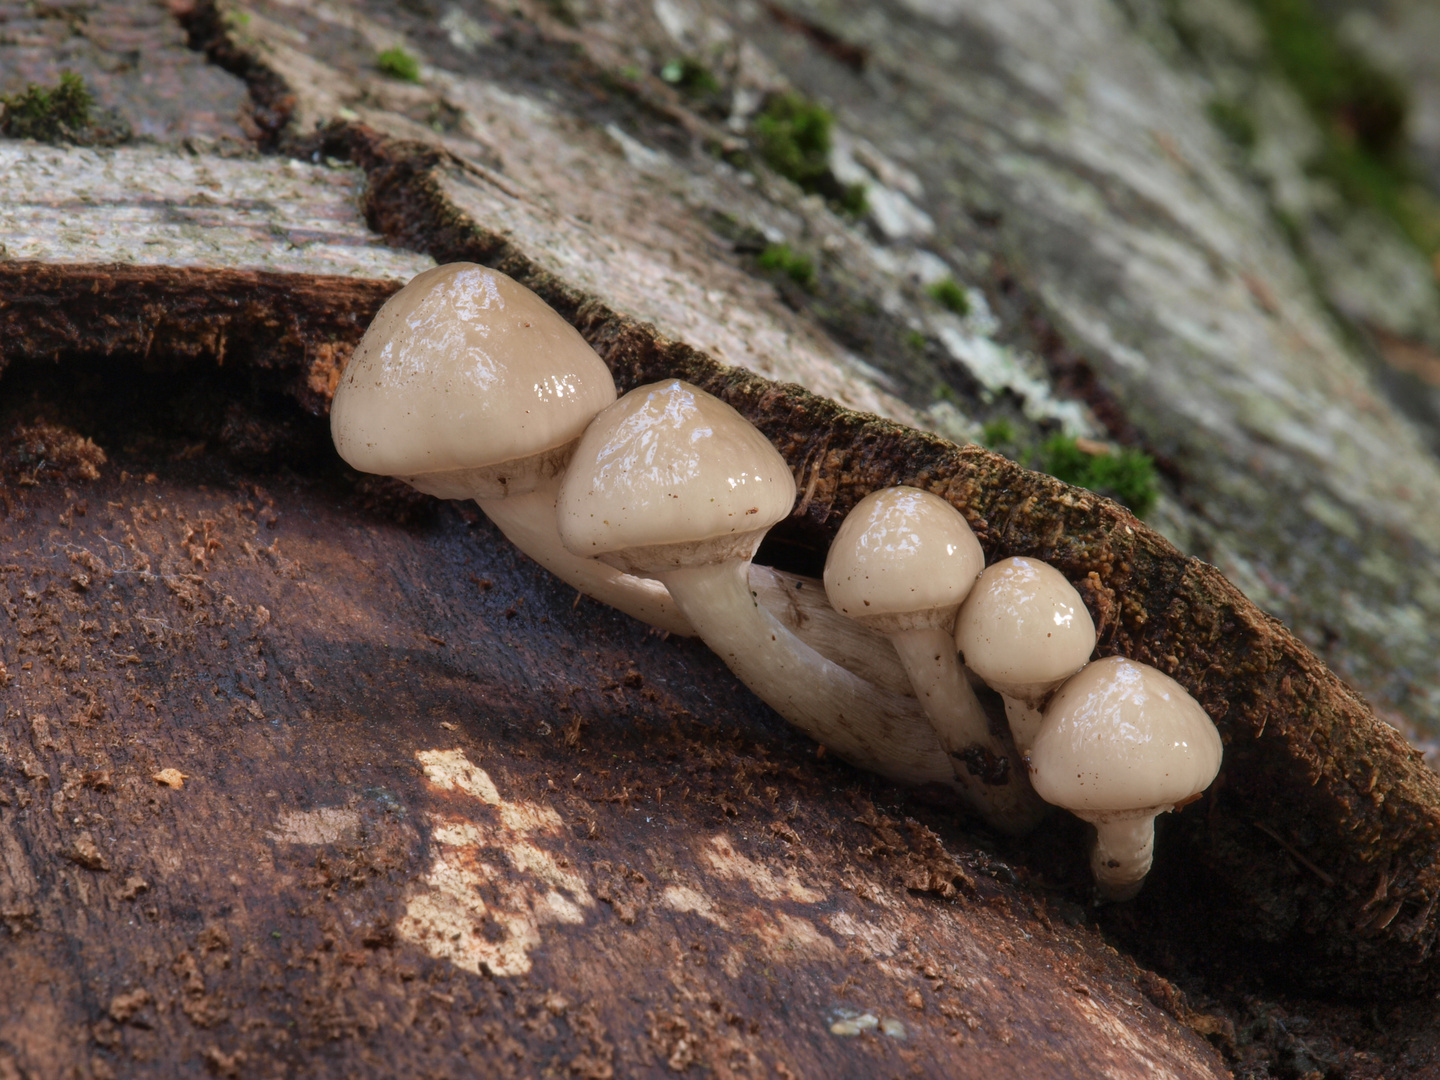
438	819
1312	861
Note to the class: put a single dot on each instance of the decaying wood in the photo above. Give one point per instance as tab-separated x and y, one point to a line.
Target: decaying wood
1314	856
293	786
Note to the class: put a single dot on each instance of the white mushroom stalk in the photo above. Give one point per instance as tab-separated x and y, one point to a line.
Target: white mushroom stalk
900	565
1122	743
672	482
469	386
1024	630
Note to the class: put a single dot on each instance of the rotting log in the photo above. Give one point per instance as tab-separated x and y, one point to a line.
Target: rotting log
1313	859
303	778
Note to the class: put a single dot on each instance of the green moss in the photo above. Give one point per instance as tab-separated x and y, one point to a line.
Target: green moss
60	113
1234	122
1361	111
951	295
398	64
797	267
997	433
853	201
691	77
944	392
794	137
1128	476
915	341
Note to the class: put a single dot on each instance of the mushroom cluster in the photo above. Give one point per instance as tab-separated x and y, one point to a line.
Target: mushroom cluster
467	385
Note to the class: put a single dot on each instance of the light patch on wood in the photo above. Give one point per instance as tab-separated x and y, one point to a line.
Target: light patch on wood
792	938
492	882
685	899
450	770
327	825
729	863
149	205
1132	1050
875	940
172	778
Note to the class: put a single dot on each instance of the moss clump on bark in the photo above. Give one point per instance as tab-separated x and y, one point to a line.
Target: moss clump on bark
798	267
794	135
60	113
1361	111
398	64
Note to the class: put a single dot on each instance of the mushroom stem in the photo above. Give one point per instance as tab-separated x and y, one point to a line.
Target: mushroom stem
1025	721
528	522
877	731
799	603
1124	849
983	761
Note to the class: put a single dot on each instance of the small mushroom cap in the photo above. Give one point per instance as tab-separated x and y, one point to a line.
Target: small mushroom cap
670	466
1122	736
1023	628
464	368
902	557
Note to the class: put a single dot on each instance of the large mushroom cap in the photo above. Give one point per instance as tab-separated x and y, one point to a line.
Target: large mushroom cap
1024	628
902	552
464	368
668	465
1122	736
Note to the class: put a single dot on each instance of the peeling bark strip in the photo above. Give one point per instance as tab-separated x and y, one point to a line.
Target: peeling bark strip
1319	809
303	326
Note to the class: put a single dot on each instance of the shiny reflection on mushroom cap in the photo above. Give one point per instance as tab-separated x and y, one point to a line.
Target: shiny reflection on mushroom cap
1122	736
464	368
903	559
670	466
1024	628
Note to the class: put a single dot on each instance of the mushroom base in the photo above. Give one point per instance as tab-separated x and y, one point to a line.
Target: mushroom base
986	763
881	732
1025	721
528	522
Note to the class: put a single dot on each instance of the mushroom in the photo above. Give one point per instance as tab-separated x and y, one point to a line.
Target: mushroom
469	386
1120	744
1024	630
672	482
900	565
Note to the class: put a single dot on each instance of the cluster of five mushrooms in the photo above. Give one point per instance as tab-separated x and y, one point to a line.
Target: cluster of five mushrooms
467	385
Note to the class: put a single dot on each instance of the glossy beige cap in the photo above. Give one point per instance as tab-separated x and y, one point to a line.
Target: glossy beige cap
1024	629
670	476
464	368
903	559
1122	736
